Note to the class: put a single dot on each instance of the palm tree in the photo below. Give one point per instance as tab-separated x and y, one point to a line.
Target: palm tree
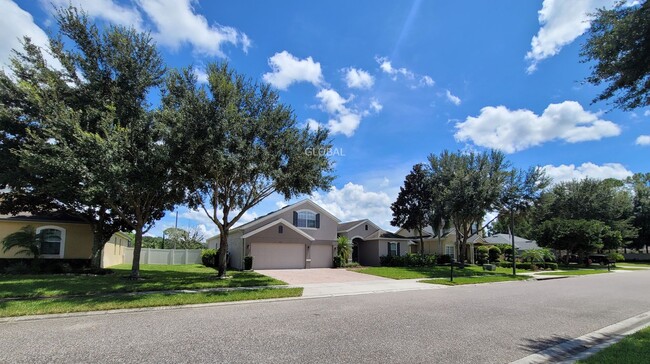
343	248
26	239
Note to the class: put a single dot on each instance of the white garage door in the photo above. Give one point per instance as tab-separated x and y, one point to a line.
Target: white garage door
321	256
278	256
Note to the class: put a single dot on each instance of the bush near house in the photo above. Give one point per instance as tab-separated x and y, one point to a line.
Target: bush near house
530	266
47	266
443	259
615	257
408	260
483	252
494	254
337	262
209	257
248	262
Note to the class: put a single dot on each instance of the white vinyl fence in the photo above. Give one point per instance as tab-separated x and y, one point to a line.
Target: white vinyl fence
165	256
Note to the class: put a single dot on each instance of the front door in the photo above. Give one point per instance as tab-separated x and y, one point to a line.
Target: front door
355	251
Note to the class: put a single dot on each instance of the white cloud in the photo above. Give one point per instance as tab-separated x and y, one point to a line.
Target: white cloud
177	23
643	140
353	202
312	125
646	113
343	119
104	9
288	69
201	75
427	81
387	67
452	98
376	106
358	78
561	23
17	23
570	172
515	130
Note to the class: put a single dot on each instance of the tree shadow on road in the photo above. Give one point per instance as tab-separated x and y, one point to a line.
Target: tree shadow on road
570	346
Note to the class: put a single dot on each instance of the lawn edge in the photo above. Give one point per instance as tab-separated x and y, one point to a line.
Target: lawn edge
10	319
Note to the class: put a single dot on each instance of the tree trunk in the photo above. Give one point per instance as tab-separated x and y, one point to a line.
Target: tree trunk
98	246
223	250
135	267
421	243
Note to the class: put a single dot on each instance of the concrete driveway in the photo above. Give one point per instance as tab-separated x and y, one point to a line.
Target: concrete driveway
318	275
327	282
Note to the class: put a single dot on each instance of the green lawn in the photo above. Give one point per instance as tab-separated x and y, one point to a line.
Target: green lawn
575	272
474	280
635	264
90	303
633	349
155	278
430	272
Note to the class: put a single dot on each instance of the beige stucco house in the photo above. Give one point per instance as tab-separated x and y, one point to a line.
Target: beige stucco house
65	237
370	242
298	236
446	245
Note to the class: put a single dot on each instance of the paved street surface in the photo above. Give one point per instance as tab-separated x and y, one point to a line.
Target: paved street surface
495	323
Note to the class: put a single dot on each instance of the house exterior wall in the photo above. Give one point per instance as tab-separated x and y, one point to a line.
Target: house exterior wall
78	237
113	252
327	230
235	248
360	231
383	247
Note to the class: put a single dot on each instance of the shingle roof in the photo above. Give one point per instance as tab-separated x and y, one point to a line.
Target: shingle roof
26	216
520	243
344	226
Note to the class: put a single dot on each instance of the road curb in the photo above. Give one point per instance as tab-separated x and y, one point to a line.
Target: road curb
587	345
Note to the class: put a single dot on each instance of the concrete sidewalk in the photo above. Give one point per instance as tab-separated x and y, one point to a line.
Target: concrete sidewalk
365	287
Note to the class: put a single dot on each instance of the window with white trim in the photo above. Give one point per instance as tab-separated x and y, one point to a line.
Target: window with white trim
306	219
52	241
392	249
450	250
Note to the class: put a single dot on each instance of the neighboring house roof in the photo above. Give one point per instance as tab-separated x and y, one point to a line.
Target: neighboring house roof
520	243
344	227
55	217
275	213
278	221
384	235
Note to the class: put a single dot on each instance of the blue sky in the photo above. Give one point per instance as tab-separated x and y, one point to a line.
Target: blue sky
395	81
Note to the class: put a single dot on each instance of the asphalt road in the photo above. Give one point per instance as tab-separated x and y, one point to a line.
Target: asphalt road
494	323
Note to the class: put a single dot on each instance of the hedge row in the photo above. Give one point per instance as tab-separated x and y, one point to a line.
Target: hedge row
408	260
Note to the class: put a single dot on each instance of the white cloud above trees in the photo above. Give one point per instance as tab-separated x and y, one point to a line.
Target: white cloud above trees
568	172
561	23
358	78
288	69
515	130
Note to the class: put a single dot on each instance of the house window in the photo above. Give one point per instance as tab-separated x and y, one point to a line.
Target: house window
392	249
52	241
280	229
366	226
306	219
449	250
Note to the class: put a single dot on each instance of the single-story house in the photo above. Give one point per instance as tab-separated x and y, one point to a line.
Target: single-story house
298	236
369	242
521	244
64	237
446	245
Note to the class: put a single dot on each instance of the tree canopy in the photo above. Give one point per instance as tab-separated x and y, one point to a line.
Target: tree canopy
238	145
619	43
413	206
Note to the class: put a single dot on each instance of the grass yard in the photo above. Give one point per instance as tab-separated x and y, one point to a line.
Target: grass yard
90	303
634	264
631	350
475	280
431	272
576	272
155	278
